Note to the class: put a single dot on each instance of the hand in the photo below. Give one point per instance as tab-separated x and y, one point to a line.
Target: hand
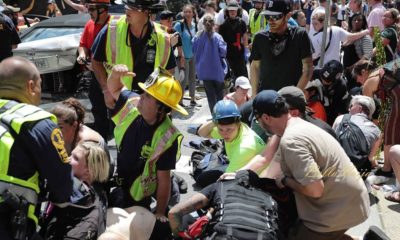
81	59
278	181
121	70
174	39
109	99
246	54
227	176
36	20
161	217
181	75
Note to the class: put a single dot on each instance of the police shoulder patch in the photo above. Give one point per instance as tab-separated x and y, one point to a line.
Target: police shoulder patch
58	142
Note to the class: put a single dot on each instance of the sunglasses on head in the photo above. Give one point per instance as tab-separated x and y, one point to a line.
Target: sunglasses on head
274	17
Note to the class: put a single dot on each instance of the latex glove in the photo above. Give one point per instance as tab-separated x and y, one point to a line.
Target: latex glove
174	39
81	59
181	75
246	54
161	217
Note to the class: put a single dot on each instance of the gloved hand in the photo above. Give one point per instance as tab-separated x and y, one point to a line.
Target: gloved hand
181	75
246	54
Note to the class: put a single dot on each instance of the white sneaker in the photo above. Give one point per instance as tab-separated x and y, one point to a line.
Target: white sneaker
373	179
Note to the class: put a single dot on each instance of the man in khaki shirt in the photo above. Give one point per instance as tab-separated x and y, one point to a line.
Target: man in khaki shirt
330	194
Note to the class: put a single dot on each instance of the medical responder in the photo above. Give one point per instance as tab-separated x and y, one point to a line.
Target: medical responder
148	143
134	40
99	16
257	21
31	149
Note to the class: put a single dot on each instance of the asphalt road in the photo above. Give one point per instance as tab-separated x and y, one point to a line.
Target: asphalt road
384	214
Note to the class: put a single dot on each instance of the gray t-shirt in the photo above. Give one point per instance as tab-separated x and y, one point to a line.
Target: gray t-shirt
307	153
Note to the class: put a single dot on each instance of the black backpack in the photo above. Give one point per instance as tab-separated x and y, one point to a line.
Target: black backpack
246	212
354	143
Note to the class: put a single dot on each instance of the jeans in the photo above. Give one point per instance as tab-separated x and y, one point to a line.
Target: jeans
214	91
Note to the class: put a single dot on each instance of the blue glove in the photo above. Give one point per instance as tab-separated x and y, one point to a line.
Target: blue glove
246	54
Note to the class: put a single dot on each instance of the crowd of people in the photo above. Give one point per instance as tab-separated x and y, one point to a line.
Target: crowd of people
296	91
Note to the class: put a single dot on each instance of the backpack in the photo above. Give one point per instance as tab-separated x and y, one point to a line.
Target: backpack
354	143
246	212
83	218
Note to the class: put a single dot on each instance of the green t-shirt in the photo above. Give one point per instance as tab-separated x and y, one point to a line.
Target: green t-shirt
242	149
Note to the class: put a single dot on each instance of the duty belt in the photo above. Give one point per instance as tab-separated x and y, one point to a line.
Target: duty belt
29	194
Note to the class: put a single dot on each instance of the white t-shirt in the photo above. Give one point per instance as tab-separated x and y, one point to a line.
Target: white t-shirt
220	18
342	9
339	35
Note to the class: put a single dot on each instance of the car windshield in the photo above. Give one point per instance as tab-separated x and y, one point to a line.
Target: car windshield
44	33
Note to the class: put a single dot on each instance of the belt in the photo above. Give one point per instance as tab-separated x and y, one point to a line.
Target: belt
30	195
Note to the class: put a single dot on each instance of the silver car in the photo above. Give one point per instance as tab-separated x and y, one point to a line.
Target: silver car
52	45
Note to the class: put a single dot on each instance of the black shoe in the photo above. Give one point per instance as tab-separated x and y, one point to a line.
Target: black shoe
194	104
181	183
380	172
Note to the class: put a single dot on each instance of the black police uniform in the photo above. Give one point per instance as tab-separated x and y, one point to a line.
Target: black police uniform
38	147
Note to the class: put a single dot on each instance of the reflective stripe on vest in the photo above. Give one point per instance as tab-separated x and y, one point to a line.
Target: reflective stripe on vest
146	184
118	52
14	115
258	24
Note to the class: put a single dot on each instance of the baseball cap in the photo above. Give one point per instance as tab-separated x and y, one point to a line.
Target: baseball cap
266	102
294	97
12	8
166	14
276	7
242	82
232	5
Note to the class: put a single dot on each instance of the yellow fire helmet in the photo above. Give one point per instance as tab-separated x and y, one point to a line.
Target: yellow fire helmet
165	88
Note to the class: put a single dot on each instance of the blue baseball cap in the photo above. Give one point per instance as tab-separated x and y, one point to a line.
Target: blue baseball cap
266	102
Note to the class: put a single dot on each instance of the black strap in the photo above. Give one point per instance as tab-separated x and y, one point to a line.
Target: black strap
315	61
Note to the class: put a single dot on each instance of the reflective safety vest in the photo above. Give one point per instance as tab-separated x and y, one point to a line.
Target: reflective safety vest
118	51
163	138
13	115
256	25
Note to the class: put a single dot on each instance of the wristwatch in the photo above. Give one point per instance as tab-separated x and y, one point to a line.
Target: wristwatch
284	180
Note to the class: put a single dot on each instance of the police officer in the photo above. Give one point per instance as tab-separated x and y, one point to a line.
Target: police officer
257	21
99	16
148	143
132	39
9	37
31	149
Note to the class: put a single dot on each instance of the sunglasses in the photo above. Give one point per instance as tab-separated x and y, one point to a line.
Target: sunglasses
274	17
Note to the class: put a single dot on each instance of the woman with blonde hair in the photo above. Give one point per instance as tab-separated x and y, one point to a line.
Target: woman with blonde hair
52	9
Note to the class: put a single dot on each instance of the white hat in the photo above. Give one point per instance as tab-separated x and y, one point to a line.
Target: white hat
315	83
242	82
135	223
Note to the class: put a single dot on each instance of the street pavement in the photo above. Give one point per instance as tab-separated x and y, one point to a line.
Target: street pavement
384	214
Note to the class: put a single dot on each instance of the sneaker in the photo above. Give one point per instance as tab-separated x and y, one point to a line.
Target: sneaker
380	172
376	180
194	104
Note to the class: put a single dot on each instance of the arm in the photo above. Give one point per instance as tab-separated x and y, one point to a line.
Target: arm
254	76
259	162
354	36
205	129
101	77
314	189
163	193
114	85
28	9
78	7
175	215
374	148
307	72
181	57
83	54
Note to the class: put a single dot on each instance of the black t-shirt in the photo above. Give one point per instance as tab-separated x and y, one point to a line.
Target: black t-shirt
285	69
232	31
143	62
323	125
336	99
129	160
8	35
